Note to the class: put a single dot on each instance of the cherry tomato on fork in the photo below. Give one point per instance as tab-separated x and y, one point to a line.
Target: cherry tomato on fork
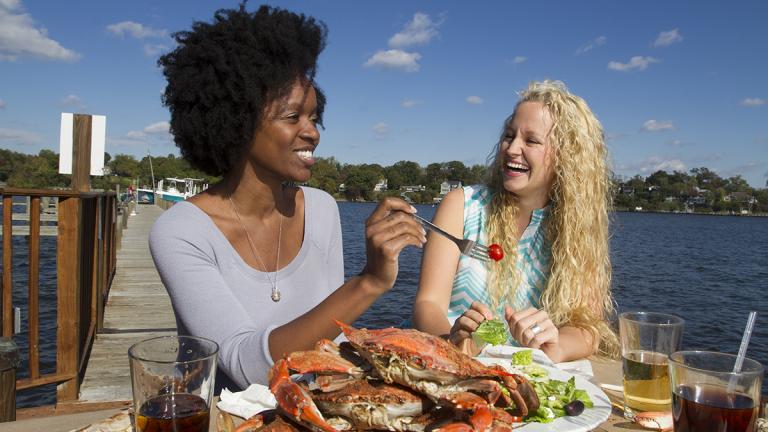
495	252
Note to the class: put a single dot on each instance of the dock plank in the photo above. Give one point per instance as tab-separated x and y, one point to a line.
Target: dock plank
138	308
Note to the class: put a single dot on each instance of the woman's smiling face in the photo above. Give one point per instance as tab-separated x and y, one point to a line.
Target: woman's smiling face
527	162
284	143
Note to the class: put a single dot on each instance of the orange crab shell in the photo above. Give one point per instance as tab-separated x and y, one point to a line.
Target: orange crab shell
420	349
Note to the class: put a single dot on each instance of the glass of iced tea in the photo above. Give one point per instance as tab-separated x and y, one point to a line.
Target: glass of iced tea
173	381
647	340
708	396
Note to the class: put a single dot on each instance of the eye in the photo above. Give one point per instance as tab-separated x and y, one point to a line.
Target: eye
507	138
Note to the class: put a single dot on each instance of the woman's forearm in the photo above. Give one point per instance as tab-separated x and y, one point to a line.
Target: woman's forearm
574	343
430	318
346	304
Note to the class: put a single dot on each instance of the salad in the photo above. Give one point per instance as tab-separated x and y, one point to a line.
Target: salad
556	398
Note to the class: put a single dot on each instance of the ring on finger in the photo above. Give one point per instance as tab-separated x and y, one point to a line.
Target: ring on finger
535	329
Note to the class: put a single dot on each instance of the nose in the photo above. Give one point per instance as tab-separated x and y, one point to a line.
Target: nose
513	147
310	132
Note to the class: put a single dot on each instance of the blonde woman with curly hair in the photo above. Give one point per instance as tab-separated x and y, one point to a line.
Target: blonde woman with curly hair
545	201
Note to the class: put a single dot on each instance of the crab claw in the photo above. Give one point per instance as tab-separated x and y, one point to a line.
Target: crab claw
345	328
294	401
656	420
481	417
321	361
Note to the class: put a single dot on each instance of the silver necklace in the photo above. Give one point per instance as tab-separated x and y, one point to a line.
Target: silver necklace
275	292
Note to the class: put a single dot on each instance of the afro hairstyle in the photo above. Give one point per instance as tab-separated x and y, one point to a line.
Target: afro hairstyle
223	75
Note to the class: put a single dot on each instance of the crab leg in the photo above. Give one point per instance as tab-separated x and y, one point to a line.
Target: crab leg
481	417
294	401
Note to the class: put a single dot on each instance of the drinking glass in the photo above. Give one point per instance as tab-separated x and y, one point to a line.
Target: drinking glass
173	380
708	396
647	340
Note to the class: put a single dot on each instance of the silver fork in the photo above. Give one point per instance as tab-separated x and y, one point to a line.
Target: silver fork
467	247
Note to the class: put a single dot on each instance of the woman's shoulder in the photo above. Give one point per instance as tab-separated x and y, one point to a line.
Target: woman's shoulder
319	200
182	220
476	195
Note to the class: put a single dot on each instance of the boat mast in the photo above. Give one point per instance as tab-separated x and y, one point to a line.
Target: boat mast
151	172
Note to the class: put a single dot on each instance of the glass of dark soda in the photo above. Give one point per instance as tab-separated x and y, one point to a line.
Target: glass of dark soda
708	395
173	380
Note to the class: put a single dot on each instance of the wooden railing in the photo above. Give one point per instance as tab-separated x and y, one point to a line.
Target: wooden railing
88	227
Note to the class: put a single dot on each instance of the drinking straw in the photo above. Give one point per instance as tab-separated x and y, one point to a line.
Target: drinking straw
742	349
745	342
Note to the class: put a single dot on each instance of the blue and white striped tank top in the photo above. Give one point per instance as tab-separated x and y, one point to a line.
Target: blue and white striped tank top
533	260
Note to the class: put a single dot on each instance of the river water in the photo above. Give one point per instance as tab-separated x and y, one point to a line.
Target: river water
710	270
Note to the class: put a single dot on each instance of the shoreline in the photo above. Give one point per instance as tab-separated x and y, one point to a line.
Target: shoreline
758	215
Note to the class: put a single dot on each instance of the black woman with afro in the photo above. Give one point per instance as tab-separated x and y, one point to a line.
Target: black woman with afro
254	262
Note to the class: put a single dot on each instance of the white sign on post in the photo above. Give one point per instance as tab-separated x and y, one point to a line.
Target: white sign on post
98	140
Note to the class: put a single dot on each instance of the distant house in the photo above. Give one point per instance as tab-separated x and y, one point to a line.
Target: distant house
381	186
448	186
413	188
740	197
627	190
342	187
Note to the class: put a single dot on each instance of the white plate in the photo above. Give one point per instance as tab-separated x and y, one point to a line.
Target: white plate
586	421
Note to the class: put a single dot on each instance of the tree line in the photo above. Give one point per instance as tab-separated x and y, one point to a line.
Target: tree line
698	190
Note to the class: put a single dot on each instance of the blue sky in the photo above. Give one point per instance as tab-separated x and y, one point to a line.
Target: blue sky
677	85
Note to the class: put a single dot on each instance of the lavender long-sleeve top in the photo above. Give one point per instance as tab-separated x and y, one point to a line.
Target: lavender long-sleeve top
216	295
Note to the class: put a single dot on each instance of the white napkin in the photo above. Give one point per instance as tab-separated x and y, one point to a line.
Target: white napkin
253	400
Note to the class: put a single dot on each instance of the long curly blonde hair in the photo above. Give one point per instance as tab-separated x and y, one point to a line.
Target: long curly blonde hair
577	292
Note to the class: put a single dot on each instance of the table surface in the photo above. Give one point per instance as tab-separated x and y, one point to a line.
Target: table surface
605	371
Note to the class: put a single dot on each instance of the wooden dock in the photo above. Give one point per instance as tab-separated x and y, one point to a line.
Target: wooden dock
138	308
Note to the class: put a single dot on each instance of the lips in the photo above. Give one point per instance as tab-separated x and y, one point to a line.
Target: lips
514	169
306	156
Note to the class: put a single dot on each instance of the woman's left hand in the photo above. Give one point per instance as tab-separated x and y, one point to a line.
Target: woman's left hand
532	328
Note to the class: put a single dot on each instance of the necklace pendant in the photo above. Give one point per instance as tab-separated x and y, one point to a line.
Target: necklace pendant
275	295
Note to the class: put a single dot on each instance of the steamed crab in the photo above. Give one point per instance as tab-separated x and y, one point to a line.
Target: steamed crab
399	380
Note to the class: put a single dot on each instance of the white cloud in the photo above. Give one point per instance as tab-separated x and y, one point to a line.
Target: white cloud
658	125
519	59
73	101
753	102
135	30
161	127
474	100
667	38
678	143
655	163
395	60
152	50
2	104
20	38
380	129
419	31
410	103
635	63
589	46
15	136
157	128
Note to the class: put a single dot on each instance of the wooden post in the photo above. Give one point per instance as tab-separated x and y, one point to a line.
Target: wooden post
81	153
68	298
7	279
9	361
34	289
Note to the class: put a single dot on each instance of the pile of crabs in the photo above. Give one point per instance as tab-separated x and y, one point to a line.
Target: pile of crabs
393	379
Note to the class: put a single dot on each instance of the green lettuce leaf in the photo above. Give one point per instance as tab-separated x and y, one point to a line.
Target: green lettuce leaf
492	331
522	358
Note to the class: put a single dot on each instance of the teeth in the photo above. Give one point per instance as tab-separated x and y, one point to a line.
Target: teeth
305	154
516	166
